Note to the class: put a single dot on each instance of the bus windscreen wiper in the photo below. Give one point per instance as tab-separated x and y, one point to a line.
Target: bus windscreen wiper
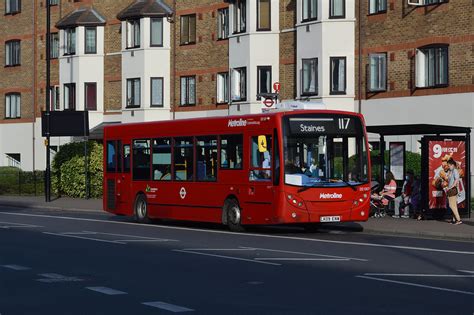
349	184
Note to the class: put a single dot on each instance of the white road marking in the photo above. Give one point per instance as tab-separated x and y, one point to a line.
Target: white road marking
226	257
168	307
255	282
248	234
55	277
9	225
467	271
83	238
137	238
416	285
301	253
220	249
417	275
16	267
303	259
106	290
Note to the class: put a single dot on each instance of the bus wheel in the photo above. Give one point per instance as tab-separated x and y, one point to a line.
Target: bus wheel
234	215
141	209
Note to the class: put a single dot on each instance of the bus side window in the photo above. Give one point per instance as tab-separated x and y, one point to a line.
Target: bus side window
141	159
126	158
231	151
161	161
111	157
183	159
261	158
206	158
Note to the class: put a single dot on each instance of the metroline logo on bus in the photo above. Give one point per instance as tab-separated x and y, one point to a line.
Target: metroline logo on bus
330	196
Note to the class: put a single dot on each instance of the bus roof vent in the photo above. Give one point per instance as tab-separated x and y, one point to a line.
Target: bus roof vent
300	105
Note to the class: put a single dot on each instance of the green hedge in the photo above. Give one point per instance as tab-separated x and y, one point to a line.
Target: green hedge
413	162
14	181
68	171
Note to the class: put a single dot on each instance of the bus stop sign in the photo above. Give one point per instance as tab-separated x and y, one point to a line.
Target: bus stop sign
268	102
277	87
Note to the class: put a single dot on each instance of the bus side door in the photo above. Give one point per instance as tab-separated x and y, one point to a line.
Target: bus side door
124	177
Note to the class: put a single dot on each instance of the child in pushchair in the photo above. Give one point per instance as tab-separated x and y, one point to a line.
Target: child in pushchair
379	201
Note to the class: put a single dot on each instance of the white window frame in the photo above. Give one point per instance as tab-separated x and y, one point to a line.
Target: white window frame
223	23
309	10
223	88
13	105
70	41
133	36
12	6
54	95
377	72
240	16
54	45
426	2
13	53
314	85
377	6
428	62
68	87
188	90
188	30
133	92
239	84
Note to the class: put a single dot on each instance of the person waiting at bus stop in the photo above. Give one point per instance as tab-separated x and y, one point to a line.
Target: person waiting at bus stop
388	192
405	197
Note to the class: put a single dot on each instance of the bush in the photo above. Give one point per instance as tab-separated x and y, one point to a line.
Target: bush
68	173
14	181
412	162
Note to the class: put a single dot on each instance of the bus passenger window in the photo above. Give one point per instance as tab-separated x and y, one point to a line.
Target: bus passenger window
261	158
126	158
111	157
206	156
231	151
141	159
183	159
161	159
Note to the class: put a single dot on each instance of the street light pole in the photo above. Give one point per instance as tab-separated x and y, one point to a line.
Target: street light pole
47	178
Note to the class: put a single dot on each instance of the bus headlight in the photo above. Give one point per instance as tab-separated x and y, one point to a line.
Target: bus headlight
295	201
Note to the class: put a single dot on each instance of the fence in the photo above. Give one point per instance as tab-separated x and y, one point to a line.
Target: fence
14	181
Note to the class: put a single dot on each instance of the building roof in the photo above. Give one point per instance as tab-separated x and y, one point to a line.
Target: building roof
81	17
418	129
145	8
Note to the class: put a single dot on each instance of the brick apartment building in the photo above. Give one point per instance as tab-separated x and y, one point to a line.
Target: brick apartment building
142	60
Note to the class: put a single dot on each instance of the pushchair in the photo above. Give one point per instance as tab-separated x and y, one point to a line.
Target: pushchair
377	208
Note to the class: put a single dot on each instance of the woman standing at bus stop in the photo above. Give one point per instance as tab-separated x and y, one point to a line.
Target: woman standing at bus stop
452	191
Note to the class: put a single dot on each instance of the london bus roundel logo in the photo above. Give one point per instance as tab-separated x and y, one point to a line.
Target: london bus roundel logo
182	193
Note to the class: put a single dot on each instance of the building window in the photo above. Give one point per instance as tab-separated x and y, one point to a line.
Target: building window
12	6
263	15
378	72
188	29
133	92
133	34
188	90
432	66
13	159
13	105
239	84
91	40
53	2
91	95
310	10
12	53
240	16
54	95
338	75
223	23
156	92
70	96
377	6
156	32
264	78
309	77
70	41
426	2
54	46
337	9
223	88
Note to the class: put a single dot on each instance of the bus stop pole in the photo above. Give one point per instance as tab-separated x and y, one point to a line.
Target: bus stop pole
382	159
468	175
47	178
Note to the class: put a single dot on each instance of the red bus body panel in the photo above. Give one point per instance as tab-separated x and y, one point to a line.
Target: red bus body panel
261	202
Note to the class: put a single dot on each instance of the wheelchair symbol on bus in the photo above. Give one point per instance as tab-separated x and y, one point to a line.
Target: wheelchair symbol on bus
182	193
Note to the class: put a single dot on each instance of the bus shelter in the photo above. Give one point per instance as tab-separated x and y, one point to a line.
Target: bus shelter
438	144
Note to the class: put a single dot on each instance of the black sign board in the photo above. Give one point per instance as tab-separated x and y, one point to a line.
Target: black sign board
322	125
65	123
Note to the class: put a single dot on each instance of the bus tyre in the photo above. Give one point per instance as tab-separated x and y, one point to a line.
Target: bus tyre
234	215
141	209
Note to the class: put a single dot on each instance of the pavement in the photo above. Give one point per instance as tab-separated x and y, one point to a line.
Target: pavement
386	225
91	262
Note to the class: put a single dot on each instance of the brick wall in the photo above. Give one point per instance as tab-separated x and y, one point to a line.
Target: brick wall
403	29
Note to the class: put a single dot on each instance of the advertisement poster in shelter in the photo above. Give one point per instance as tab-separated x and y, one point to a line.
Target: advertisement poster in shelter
439	154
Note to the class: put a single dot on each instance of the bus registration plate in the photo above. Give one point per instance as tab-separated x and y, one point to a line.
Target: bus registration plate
336	218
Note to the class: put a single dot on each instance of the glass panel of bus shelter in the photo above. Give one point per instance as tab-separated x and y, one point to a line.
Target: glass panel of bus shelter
206	158
261	153
313	158
161	161
111	157
141	159
183	159
231	151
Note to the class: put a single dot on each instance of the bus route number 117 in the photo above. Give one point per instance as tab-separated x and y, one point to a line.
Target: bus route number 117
344	123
